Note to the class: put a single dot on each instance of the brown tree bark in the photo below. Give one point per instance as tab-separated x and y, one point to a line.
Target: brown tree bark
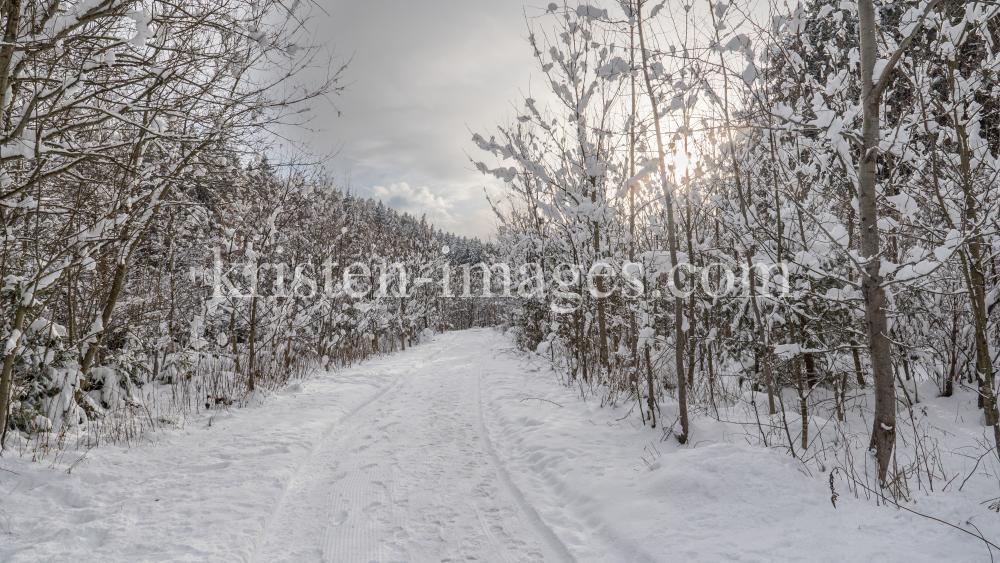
7	376
671	241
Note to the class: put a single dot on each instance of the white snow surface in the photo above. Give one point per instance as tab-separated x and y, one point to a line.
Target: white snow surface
459	449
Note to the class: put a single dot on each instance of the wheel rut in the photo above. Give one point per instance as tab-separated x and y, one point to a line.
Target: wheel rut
411	476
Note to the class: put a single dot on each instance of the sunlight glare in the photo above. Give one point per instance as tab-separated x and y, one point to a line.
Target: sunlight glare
680	163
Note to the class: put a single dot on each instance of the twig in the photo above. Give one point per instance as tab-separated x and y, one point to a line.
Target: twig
537	399
626	414
667	431
897	505
971	473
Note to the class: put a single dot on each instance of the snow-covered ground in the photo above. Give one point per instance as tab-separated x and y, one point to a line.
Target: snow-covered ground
456	450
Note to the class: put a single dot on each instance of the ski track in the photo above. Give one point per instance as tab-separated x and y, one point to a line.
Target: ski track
411	476
317	445
433	455
554	542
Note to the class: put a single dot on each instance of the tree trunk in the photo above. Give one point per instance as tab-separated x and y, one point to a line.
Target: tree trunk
884	425
232	335
672	242
121	269
811	376
803	393
13	16
252	356
972	262
601	309
858	371
7	376
651	402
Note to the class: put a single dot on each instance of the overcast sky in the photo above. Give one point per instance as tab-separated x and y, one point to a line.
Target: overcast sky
423	73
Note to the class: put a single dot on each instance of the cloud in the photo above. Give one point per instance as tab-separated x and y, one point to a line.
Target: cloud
433	73
415	201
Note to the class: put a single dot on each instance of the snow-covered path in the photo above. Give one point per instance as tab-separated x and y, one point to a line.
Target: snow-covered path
461	449
385	461
411	477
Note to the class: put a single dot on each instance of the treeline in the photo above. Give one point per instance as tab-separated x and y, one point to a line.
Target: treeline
854	143
155	255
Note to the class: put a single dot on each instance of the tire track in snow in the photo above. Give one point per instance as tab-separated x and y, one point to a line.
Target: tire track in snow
315	446
412	480
365	498
593	533
367	525
553	541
